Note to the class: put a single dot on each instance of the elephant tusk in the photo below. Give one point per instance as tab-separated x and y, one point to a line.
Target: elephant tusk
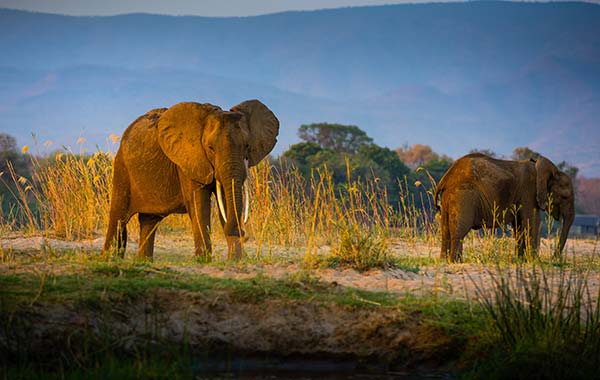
246	201
220	200
246	165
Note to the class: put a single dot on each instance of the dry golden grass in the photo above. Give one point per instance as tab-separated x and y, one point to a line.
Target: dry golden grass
68	198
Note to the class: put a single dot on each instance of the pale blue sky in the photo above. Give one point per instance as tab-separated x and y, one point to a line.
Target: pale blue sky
187	7
210	8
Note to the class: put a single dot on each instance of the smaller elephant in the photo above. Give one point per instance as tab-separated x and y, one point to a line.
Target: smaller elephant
173	160
479	191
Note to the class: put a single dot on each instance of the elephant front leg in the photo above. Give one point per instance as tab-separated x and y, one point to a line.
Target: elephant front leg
148	224
199	212
116	234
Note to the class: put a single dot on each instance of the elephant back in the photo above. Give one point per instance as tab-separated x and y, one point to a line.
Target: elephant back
146	164
144	124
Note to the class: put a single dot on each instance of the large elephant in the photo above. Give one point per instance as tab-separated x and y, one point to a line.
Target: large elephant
173	160
479	191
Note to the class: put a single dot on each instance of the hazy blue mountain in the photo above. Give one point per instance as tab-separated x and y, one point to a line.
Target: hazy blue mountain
456	76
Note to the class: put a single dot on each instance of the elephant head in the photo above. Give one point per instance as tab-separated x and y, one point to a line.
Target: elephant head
214	147
555	194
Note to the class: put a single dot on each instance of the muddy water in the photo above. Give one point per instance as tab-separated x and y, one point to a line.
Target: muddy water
244	368
309	376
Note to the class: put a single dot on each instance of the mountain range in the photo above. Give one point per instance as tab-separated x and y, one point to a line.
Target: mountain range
456	76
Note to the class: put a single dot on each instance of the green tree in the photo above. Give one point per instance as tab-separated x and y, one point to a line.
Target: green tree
337	137
300	154
10	156
437	168
386	159
343	147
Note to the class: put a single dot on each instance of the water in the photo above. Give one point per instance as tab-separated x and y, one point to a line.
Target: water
257	368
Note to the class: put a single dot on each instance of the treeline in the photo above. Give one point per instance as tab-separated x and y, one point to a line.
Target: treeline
35	188
15	166
349	154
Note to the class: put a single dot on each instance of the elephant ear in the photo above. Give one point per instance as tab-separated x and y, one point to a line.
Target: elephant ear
180	131
546	171
263	126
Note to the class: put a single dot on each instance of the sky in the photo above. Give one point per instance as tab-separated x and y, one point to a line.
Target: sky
211	8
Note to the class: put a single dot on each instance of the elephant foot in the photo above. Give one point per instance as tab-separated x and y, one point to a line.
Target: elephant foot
234	245
203	254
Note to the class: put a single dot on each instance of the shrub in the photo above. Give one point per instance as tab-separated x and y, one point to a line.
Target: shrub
547	324
361	248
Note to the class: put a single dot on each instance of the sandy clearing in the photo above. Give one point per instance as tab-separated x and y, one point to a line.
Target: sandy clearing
457	280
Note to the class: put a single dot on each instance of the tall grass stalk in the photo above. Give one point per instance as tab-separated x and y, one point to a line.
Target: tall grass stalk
547	320
22	212
71	194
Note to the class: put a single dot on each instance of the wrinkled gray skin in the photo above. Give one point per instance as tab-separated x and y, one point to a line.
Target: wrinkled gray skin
170	160
478	191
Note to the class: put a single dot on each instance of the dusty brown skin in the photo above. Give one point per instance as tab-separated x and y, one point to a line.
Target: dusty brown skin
480	191
170	161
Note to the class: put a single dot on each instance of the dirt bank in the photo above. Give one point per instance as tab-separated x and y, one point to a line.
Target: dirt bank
216	321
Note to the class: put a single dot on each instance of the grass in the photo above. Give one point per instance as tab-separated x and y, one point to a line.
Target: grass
546	325
126	280
537	312
360	248
176	366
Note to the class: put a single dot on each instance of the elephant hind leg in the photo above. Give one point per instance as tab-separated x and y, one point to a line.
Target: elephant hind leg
148	224
461	221
445	235
456	249
116	234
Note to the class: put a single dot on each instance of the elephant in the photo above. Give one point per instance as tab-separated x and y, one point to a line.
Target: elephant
172	160
480	191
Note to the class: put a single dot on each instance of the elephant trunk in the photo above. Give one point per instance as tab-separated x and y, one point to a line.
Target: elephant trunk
567	220
234	208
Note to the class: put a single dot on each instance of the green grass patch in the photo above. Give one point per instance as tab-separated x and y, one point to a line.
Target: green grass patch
165	365
118	280
545	325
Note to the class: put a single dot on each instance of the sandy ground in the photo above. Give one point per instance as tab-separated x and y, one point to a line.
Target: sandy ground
173	251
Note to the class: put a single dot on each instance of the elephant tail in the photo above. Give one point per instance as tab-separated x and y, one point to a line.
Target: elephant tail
439	189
